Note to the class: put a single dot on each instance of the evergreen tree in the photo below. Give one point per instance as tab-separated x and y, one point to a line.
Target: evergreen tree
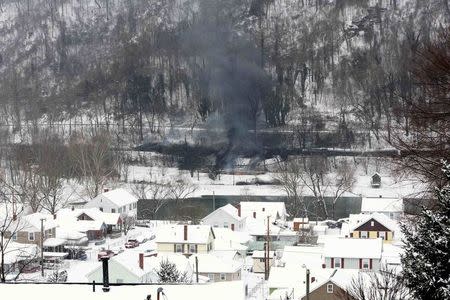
168	272
426	262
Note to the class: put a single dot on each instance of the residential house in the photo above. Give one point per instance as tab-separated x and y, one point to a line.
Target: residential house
226	216
276	211
375	181
186	239
290	282
19	257
215	268
133	267
372	226
332	288
348	253
391	207
259	258
115	201
27	228
94	223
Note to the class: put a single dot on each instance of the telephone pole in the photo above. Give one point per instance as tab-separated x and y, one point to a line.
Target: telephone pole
42	247
267	251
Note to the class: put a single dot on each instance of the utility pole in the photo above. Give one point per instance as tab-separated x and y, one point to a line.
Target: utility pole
196	268
307	284
42	247
267	249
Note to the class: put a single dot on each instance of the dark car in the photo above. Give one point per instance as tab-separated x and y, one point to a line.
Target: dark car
131	244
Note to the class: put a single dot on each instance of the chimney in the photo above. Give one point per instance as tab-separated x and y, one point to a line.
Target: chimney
254	215
185	232
239	209
141	261
105	274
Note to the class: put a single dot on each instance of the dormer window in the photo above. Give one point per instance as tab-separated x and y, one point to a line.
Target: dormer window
372	223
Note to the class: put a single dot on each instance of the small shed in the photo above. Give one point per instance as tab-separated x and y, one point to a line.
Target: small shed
376	180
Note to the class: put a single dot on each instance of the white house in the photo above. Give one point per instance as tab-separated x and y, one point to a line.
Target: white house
215	268
261	210
348	253
185	238
226	216
134	267
115	201
391	207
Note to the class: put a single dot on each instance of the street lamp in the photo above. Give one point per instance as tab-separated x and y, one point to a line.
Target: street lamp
307	281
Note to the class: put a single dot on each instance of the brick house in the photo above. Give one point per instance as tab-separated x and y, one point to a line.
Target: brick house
28	228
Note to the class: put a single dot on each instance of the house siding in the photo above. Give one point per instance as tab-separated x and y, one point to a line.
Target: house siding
374	235
258	265
351	263
321	293
215	277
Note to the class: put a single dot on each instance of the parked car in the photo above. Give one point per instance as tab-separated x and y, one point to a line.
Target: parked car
105	253
131	244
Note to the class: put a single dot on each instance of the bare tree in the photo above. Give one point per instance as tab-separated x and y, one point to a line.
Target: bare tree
156	194
181	189
128	222
386	284
345	179
94	161
289	175
12	253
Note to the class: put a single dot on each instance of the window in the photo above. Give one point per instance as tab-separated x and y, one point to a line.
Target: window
124	208
364	234
225	224
372	223
223	276
365	264
179	248
216	225
135	205
330	288
113	210
211	276
119	280
192	248
261	260
131	206
31	236
337	263
14	236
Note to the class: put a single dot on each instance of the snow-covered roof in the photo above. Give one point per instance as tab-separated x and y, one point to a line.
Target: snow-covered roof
356	220
32	222
259	227
54	242
263	209
196	234
209	263
118	197
374	204
15	252
227	239
219	290
353	248
229	209
310	256
130	261
260	254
